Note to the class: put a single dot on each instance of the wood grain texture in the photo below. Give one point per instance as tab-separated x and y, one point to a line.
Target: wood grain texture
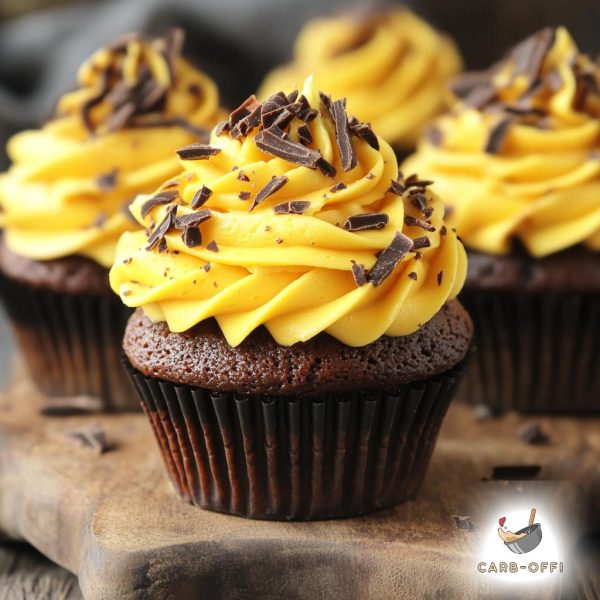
115	521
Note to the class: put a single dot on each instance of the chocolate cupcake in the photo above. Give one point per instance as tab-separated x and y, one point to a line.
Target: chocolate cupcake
391	65
518	159
296	342
64	204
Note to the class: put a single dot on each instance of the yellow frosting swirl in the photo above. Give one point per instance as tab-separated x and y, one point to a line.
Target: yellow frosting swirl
519	155
391	65
112	138
290	272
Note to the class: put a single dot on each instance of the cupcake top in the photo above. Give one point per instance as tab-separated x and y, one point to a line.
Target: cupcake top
519	154
110	139
392	67
293	217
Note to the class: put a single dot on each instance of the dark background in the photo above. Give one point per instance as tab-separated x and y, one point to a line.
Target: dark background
42	42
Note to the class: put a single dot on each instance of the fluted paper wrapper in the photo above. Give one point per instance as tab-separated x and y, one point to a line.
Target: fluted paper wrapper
535	353
72	343
296	458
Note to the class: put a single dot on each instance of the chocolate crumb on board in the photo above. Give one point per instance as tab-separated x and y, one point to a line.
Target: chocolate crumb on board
366	221
197	152
294	207
359	273
200	197
92	437
532	434
389	258
212	246
269	189
509	472
158	200
463	523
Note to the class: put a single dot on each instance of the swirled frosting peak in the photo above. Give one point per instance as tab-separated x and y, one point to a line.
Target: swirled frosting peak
111	138
293	217
392	66
519	154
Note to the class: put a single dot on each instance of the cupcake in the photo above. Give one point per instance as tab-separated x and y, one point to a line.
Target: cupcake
518	159
63	207
296	342
392	67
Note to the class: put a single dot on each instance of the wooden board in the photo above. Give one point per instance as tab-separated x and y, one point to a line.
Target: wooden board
114	520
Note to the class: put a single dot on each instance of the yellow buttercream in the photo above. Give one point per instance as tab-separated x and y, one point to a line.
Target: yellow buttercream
290	272
542	185
71	179
392	67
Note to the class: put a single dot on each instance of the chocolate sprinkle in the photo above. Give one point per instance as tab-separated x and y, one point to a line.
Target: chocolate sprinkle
212	246
242	176
294	207
532	434
268	190
338	187
359	273
200	197
389	258
158	200
440	277
197	152
366	221
207	267
244	195
412	275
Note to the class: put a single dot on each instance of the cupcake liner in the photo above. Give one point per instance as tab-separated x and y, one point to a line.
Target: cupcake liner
296	458
71	342
536	353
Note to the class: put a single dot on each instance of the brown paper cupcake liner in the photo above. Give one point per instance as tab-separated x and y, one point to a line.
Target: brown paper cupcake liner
535	353
296	458
72	343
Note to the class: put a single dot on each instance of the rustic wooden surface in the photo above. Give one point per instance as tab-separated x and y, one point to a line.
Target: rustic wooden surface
115	522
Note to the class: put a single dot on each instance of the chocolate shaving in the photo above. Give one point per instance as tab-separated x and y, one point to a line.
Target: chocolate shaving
396	188
412	275
326	167
418	199
294	207
366	133
244	195
366	221
434	135
304	135
212	246
529	55
497	136
268	190
207	267
359	273
338	187
192	219
242	176
342	135
222	127
107	181
197	152
158	235
275	142
200	197
414	181
421	242
192	237
440	277
158	200
389	258
91	437
414	222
